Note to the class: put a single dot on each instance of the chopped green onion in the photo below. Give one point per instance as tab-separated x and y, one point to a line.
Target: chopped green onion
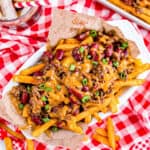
115	64
97	93
48	89
84	81
58	87
89	56
45	119
101	93
104	61
21	106
95	63
28	88
44	98
54	129
85	99
81	49
47	107
72	67
42	86
122	75
93	33
124	45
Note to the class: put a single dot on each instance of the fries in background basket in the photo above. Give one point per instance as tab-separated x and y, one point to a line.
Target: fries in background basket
140	9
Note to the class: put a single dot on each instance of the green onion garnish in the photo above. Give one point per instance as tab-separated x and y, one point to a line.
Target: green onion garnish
48	89
122	75
115	64
72	67
21	106
85	99
104	61
81	49
47	107
93	33
84	81
41	86
94	63
58	87
97	93
45	119
89	56
54	129
44	98
124	45
28	88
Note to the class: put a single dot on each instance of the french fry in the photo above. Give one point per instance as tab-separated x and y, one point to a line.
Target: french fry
111	133
140	69
88	119
74	127
134	82
84	114
103	132
37	132
32	69
71	41
13	133
113	105
30	144
8	143
97	117
88	40
26	79
106	102
101	139
25	112
67	46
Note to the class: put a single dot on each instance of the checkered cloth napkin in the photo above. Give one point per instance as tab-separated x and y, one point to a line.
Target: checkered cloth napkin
16	46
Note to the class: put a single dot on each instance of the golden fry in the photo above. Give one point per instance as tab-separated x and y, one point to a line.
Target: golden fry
113	105
13	133
67	46
25	112
88	119
101	139
37	132
97	117
134	82
26	79
88	40
30	144
8	143
103	132
111	133
71	41
32	69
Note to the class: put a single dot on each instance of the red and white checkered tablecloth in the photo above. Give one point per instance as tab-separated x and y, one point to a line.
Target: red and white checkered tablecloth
16	46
